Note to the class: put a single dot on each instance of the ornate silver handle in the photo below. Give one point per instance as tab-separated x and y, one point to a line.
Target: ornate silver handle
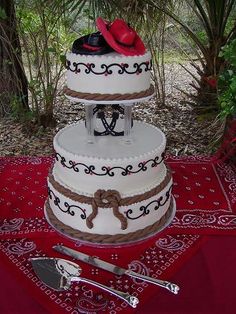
130	299
165	284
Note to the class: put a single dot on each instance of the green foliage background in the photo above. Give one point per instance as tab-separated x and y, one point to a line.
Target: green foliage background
227	82
200	29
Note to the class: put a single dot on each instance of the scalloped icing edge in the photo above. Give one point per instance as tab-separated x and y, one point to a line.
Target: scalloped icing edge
111	56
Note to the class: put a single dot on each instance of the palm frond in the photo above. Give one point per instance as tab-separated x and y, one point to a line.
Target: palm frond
200	11
186	28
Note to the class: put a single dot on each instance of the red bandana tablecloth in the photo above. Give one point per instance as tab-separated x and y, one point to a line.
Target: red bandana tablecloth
205	195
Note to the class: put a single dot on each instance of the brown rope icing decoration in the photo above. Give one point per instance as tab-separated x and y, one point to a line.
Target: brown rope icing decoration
100	97
107	238
126	201
106	199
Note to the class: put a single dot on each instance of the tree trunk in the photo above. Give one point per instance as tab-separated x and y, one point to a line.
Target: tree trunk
13	81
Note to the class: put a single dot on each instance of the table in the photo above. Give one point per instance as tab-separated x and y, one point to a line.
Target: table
207	283
207	280
206	210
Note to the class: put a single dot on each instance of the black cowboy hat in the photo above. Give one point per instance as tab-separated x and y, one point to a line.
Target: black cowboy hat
92	44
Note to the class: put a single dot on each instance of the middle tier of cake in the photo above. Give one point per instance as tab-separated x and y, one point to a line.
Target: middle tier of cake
109	191
110	163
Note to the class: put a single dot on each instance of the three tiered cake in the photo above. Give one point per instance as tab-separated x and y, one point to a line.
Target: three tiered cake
109	191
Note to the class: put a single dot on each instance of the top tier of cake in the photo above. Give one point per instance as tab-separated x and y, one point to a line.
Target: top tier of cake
112	77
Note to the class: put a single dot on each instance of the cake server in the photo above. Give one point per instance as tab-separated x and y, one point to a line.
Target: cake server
58	274
115	269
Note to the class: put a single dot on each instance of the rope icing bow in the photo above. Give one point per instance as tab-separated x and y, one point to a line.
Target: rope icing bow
106	199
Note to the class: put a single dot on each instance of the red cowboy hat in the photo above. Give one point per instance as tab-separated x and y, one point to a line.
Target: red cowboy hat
121	37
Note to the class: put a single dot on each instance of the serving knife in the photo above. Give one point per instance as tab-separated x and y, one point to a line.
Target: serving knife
114	269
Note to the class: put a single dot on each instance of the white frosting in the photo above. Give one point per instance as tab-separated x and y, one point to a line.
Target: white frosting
112	82
105	222
116	165
109	163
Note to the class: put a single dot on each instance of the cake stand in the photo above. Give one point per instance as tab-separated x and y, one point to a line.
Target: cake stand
90	106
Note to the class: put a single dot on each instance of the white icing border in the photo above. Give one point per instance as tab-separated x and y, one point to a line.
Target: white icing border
107	56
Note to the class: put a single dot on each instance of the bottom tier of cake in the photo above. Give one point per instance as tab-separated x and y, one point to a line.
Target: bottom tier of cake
105	217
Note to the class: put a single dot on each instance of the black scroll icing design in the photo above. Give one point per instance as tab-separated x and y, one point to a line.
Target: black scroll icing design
107	69
145	210
69	209
142	166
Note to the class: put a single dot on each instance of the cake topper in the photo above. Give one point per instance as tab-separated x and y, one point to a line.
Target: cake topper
91	44
121	37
